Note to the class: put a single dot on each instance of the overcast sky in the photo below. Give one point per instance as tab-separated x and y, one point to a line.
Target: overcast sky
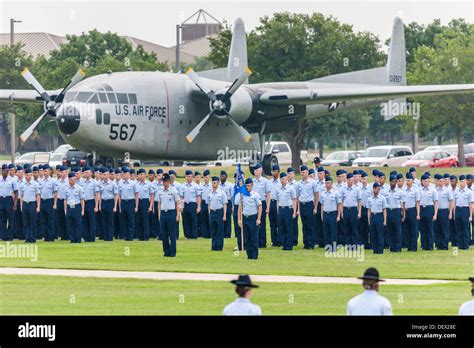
155	20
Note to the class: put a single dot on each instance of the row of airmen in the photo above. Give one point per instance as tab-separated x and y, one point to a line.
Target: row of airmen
119	203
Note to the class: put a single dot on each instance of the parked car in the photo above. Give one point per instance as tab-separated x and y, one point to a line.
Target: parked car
33	158
432	148
76	157
63	149
282	152
468	153
55	159
384	156
434	159
341	158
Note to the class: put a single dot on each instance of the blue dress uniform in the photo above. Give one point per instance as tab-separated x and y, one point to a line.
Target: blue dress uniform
177	187
205	190
91	187
108	194
190	193
376	205
445	198
463	198
261	186
412	198
227	187
285	197
74	196
350	202
216	200
19	232
48	189
145	192
167	199
155	230
318	225
127	190
29	192
250	206
329	205
273	213
61	226
306	191
235	215
428	209
365	193
295	229
395	202
8	191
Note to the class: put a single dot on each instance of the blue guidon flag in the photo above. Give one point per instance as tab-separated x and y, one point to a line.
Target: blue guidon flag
239	186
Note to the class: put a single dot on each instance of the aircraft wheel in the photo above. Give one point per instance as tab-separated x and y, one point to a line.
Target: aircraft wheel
268	162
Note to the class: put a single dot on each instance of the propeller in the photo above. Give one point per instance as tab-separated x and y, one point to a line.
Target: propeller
52	102
219	103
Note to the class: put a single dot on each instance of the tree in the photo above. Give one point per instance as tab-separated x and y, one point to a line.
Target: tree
451	61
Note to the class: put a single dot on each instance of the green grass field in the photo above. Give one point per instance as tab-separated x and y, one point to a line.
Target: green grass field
42	295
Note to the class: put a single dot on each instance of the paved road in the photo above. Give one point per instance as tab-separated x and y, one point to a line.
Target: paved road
205	276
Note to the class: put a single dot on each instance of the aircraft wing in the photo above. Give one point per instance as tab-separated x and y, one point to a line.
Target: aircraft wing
309	96
23	95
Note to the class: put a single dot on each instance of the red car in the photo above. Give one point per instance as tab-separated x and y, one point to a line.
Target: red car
468	153
434	159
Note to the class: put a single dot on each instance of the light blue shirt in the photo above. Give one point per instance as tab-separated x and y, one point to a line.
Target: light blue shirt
242	306
330	200
340	187
8	186
306	190
463	197
90	188
351	197
205	191
285	196
74	194
127	189
227	187
394	198
157	186
168	198
369	303
411	197
48	187
445	196
217	199
275	184
377	204
144	190
262	187
29	190
365	193
108	190
190	192
62	187
428	196
250	203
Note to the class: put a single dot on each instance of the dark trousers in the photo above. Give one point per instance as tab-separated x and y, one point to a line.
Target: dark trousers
350	225
190	220
262	229
60	218
364	229
404	235
411	225
318	228
205	227
394	227
376	232
217	229
307	220
7	223
237	231
128	216
88	221
168	232
228	220
118	224
29	216
295	230
74	223
250	236
427	227
285	227
441	229
143	219
273	216
99	230
107	216
47	215
19	233
452	232
330	227
462	227
153	221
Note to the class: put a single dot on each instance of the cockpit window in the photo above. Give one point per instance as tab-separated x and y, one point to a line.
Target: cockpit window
103	97
122	98
94	99
84	96
70	95
132	98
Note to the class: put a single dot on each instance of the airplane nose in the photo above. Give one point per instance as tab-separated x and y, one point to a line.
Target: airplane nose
68	119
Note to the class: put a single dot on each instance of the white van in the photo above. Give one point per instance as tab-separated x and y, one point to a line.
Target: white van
383	156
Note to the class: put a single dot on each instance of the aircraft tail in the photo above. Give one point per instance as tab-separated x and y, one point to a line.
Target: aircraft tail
238	51
396	64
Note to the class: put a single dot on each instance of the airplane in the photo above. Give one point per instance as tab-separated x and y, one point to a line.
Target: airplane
193	115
